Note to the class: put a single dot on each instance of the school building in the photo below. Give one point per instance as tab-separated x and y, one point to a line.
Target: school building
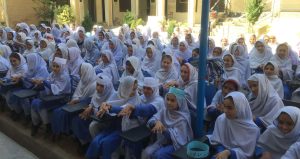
111	11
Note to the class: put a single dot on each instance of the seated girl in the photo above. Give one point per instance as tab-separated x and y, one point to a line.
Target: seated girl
168	71
133	68
216	107
151	61
172	125
231	69
183	53
271	71
279	136
61	120
259	56
235	133
264	100
105	143
58	83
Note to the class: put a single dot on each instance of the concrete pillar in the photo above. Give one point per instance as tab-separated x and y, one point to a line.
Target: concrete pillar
191	11
109	12
5	15
99	11
160	8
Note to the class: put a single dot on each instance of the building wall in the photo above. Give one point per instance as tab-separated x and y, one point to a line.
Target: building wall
290	5
2	14
118	16
21	11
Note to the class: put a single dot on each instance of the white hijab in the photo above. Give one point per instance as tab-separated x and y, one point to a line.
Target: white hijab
154	99
275	80
276	142
293	152
20	70
167	75
151	65
242	141
74	61
257	58
136	64
87	84
267	103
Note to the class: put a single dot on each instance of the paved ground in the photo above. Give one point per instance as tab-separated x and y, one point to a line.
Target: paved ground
9	149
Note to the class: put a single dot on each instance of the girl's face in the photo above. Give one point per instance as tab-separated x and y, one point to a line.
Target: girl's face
19	37
55	68
185	73
166	63
43	44
67	33
10	36
241	41
252	39
266	39
237	53
188	39
28	46
58	53
14	62
111	45
81	34
175	41
104	58
171	102
260	47
129	68
142	41
149	53
132	35
253	85
285	123
182	47
228	61
229	109
129	50
216	52
195	54
147	91
99	88
227	88
269	70
101	36
282	51
36	35
134	88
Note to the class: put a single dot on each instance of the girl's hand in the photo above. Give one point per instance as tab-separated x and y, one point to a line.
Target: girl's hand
158	128
103	109
220	107
72	102
266	155
127	110
223	155
86	113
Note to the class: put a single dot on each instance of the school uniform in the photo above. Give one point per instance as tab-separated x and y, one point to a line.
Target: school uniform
92	53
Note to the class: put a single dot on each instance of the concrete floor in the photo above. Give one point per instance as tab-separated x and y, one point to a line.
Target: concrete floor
9	149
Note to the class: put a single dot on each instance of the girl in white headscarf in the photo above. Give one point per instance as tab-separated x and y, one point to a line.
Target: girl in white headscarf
30	48
281	58
133	68
259	56
271	71
74	62
151	61
191	41
242	60
168	71
72	43
3	36
108	66
4	64
58	83
44	50
117	50
264	100
174	44
183	53
108	141
283	132
174	123
37	37
61	120
61	51
226	140
231	69
92	54
100	38
80	123
19	42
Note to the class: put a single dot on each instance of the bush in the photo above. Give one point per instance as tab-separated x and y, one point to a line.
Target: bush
87	23
254	9
131	20
45	10
64	14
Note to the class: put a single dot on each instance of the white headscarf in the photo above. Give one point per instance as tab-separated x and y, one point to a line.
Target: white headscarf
293	152
87	84
257	58
99	98
60	83
135	62
109	69
74	61
72	43
239	134
234	71
186	54
45	52
4	64
267	103
177	122
151	65
275	80
32	50
37	67
167	75
154	99
20	70
3	38
276	142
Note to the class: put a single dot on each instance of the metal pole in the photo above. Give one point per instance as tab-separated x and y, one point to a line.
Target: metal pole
202	67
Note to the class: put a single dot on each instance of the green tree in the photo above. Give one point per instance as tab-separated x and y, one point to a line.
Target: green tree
131	20
45	10
254	9
64	14
87	23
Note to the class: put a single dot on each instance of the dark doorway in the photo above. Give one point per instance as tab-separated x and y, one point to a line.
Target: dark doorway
103	10
92	9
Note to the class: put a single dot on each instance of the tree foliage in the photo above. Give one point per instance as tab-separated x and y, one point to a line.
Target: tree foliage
87	23
254	9
131	20
64	14
45	9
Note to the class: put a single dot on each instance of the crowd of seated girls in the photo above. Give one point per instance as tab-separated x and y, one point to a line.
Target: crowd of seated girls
135	79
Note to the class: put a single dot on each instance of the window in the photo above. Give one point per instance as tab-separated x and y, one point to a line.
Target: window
124	5
181	5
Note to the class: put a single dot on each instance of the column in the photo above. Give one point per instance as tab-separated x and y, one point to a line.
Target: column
99	8
160	8
108	12
191	12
